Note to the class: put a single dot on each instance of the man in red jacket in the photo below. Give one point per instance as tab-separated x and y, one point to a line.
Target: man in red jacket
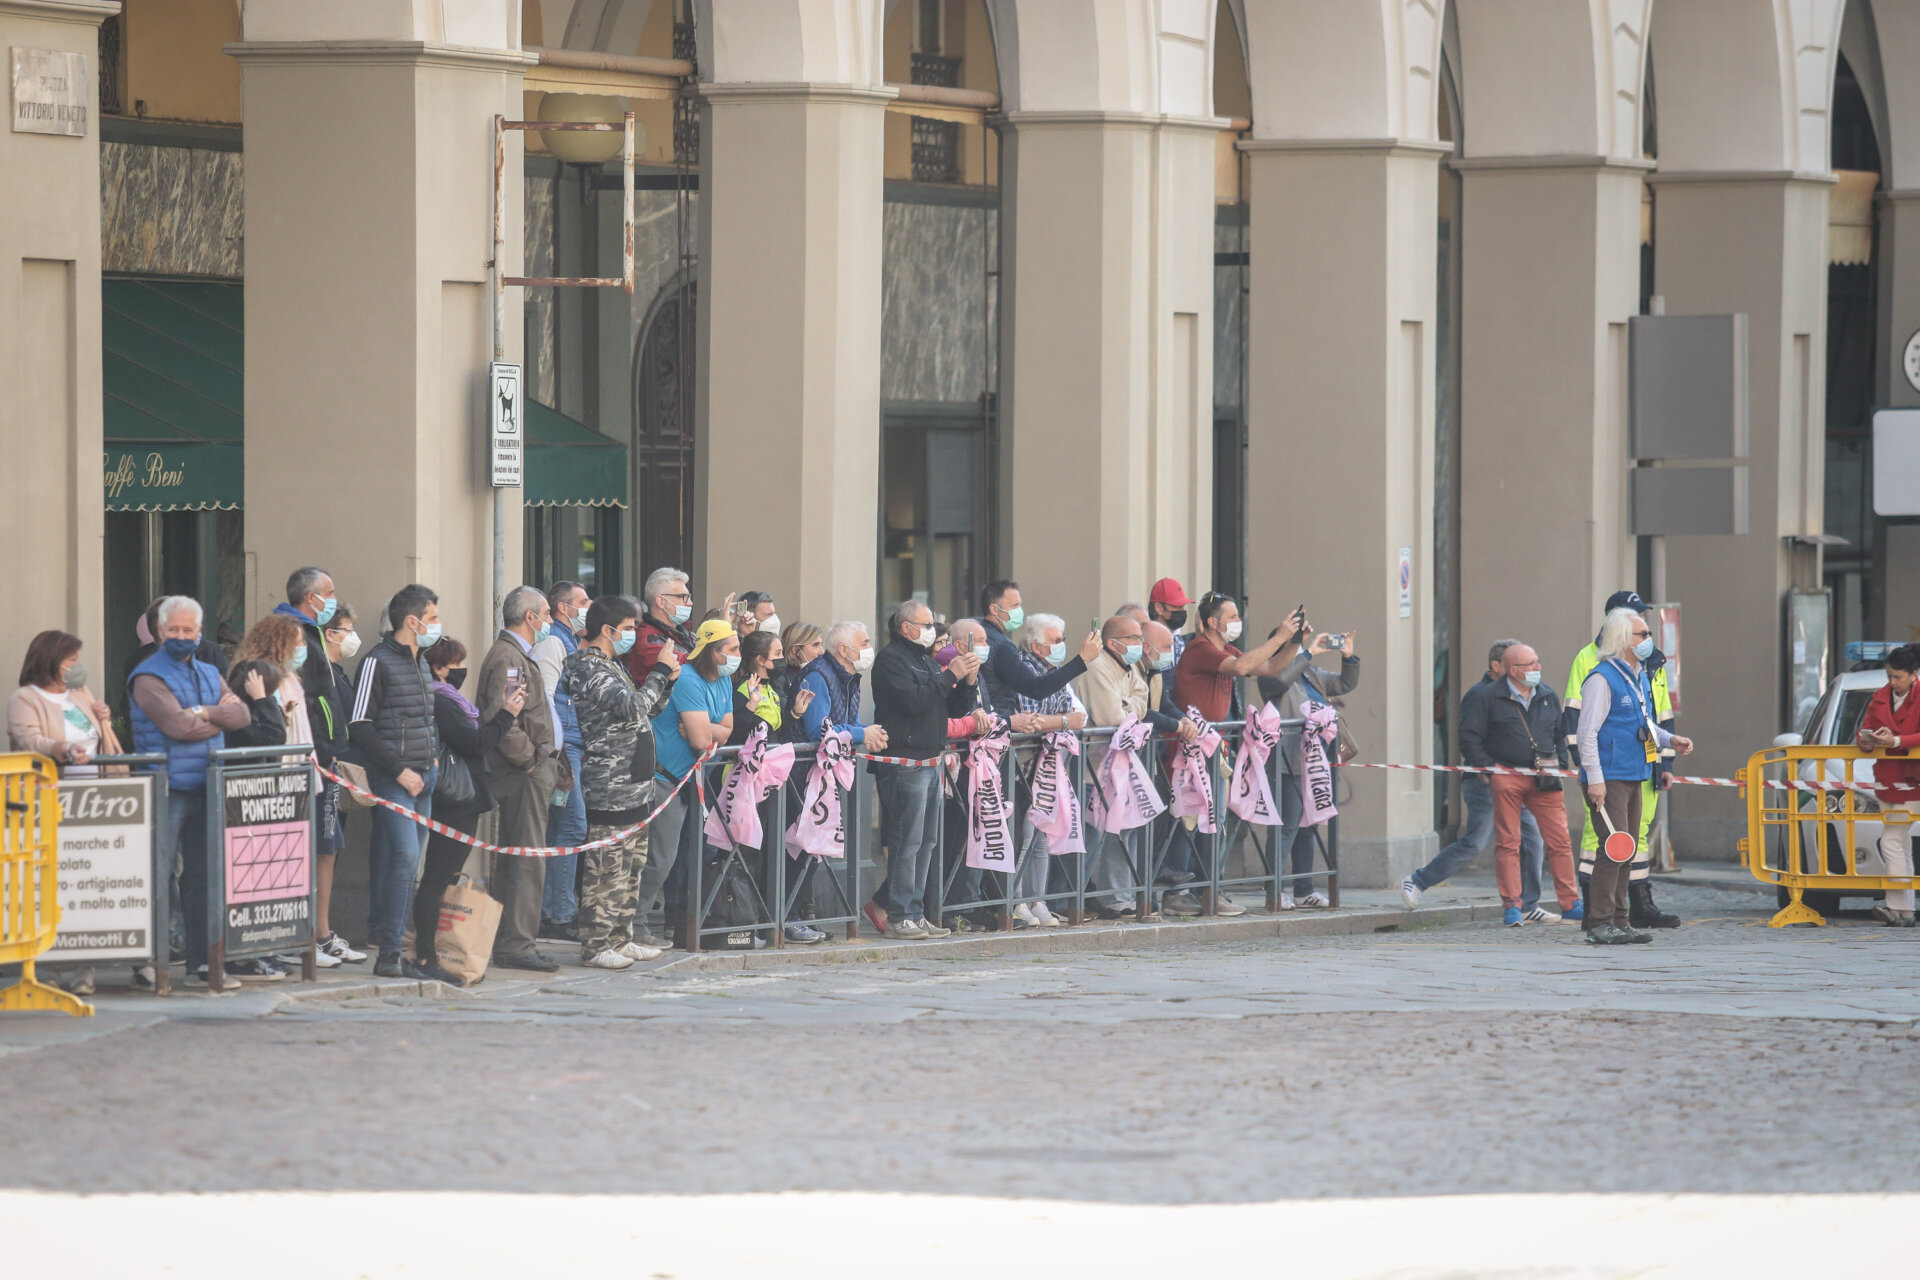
1892	725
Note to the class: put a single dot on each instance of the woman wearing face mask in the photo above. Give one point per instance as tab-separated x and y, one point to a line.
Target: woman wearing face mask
279	642
461	734
698	715
758	699
801	642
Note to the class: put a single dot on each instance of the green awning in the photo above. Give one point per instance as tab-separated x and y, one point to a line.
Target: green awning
569	464
172	364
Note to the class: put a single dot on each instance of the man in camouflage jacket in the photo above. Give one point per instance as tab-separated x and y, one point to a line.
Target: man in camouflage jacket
616	777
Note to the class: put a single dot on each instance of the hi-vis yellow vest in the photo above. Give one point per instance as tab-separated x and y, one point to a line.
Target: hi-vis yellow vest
1588	658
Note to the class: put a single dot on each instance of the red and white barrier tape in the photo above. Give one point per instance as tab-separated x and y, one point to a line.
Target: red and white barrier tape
520	850
1678	778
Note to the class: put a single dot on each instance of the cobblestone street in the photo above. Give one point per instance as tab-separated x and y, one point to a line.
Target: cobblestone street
1470	1060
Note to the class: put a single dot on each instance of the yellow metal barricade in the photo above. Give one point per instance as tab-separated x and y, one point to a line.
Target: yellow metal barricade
30	879
1821	833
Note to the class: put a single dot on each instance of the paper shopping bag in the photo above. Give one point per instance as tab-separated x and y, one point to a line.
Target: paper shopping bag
468	920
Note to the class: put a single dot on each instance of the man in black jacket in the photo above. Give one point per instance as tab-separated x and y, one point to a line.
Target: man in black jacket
393	730
1516	723
1002	614
913	697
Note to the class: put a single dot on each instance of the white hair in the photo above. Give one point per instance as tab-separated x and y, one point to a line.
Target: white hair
178	604
1036	628
843	633
1616	633
659	580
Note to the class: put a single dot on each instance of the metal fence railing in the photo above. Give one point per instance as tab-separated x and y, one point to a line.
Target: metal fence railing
1237	855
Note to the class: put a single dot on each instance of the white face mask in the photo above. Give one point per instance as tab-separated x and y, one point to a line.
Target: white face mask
864	663
1232	632
769	624
349	644
925	635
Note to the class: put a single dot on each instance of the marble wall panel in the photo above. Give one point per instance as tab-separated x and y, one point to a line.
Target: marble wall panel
171	211
937	334
540	326
1229	321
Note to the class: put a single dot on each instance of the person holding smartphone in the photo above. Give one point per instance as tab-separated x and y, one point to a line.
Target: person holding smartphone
1891	729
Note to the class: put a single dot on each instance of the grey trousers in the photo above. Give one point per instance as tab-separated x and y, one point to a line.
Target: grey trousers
664	839
1114	859
518	884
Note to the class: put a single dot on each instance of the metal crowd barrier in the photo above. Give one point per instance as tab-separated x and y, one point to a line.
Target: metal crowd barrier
1822	841
779	881
29	879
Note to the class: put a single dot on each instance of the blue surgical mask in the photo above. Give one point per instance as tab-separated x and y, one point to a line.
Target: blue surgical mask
729	665
1644	649
681	612
1163	661
981	652
299	657
623	642
431	636
1532	678
328	607
1017	618
1057	654
546	629
180	650
1132	654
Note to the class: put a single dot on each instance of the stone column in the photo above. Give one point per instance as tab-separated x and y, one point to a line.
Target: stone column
52	503
1753	243
1341	452
788	404
1550	274
369	230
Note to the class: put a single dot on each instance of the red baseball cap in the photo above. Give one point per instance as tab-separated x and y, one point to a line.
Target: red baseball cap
1169	591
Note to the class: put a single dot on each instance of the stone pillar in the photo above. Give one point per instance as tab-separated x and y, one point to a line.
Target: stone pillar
369	230
1341	454
787	446
1753	243
1107	358
1550	274
52	504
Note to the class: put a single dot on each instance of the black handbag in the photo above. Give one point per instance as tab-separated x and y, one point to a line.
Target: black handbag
454	787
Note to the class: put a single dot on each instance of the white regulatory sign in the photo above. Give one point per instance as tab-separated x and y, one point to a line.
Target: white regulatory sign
1406	582
52	92
507	423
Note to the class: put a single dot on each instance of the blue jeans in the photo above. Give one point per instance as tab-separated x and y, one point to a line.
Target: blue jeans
909	829
394	857
566	824
1476	834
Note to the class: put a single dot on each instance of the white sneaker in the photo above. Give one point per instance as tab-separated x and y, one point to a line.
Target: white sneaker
1540	915
1045	916
608	959
1410	894
336	946
1225	906
324	959
1316	899
1023	917
634	951
930	929
1286	900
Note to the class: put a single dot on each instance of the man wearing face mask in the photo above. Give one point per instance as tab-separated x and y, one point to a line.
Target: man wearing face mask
1210	664
1011	678
756	612
667	607
913	698
526	771
1167	604
393	730
1516	724
566	823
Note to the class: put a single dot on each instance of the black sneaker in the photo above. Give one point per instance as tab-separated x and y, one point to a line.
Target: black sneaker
1180	904
559	931
388	965
259	969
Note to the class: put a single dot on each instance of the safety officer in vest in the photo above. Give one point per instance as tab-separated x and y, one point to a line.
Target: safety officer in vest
1619	742
180	707
1641	910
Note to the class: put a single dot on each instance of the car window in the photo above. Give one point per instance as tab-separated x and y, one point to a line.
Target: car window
1810	731
1853	708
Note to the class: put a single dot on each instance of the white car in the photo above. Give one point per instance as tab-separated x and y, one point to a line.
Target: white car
1835	721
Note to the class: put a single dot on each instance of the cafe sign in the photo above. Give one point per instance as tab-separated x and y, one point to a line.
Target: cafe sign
52	92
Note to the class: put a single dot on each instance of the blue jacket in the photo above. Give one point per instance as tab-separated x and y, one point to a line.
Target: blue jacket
1623	755
193	683
562	700
836	699
1012	678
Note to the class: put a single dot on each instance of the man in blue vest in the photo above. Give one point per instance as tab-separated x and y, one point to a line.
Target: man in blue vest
1620	742
180	706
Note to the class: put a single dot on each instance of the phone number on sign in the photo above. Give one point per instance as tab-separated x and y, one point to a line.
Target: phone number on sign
266	913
